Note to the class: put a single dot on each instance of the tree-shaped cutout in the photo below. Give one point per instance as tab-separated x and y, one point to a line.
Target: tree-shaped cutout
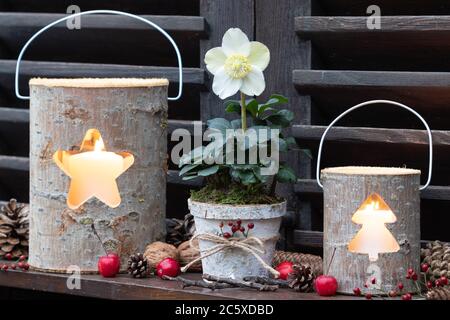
374	237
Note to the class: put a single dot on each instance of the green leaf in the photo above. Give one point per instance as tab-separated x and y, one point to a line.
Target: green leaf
186	178
219	124
252	107
188	168
236	124
282	118
282	145
209	171
274	100
286	175
290	141
233	106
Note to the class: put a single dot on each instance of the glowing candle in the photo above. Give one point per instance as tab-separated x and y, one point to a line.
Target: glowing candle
93	171
374	237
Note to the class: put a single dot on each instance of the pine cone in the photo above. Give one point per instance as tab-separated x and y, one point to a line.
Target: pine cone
439	293
14	229
437	256
137	266
315	262
179	231
301	279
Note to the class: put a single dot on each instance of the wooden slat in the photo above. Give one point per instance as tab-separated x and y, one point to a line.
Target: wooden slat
309	186
187	125
126	287
328	25
305	80
362	134
309	238
14	115
193	76
187	24
14	163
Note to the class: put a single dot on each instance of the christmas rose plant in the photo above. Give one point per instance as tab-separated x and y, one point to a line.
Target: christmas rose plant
238	66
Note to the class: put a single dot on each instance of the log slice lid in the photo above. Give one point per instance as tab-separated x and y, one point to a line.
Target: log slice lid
99	82
370	171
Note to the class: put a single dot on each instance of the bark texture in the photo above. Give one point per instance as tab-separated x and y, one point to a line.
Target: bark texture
345	189
129	118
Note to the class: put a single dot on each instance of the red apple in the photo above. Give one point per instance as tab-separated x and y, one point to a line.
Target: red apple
168	267
326	285
109	265
285	268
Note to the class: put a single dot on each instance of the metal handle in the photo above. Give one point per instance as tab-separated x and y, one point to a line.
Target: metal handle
154	25
430	139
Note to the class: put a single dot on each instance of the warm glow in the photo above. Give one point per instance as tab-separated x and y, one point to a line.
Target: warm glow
99	145
93	171
374	237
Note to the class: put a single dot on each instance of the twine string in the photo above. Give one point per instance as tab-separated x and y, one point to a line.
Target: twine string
252	245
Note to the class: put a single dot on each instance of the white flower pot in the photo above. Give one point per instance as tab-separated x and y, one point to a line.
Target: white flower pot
234	262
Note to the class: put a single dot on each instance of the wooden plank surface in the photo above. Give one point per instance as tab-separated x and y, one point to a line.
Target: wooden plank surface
309	186
309	26
321	79
362	134
14	20
125	287
62	69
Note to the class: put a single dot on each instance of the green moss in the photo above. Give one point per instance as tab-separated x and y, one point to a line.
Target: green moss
234	194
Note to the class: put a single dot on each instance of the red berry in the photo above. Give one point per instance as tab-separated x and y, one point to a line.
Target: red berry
368	296
234	229
8	256
5	267
443	280
13	266
374	280
227	235
407	296
365	285
221	225
251	225
242	229
26	266
410	271
408	276
414	276
22	258
168	267
392	293
437	283
424	267
357	292
400	286
20	265
429	284
285	269
230	224
239	222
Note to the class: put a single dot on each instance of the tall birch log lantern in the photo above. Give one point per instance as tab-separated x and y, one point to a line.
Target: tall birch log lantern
123	114
371	220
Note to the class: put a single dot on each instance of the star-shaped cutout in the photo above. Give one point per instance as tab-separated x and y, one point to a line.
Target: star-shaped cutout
93	171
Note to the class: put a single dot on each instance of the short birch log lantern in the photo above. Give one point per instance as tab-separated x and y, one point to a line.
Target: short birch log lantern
126	116
131	115
371	221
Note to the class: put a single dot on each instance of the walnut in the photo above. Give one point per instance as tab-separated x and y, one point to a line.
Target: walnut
187	254
157	251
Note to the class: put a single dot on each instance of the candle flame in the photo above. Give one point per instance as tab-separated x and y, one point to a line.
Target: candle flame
99	145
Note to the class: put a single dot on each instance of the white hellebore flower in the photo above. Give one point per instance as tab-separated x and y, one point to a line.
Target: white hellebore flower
238	65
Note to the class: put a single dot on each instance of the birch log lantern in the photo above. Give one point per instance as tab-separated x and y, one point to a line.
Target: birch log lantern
116	179
371	220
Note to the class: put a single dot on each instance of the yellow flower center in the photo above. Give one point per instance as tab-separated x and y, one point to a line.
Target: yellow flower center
237	66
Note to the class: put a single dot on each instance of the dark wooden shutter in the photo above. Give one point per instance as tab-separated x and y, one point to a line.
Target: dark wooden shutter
323	57
406	61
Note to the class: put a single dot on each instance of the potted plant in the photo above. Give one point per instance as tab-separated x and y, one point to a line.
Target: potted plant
237	212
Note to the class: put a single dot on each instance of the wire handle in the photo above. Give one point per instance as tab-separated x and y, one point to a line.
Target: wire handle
430	139
121	13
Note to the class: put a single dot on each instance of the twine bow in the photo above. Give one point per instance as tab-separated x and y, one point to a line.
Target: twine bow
252	245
